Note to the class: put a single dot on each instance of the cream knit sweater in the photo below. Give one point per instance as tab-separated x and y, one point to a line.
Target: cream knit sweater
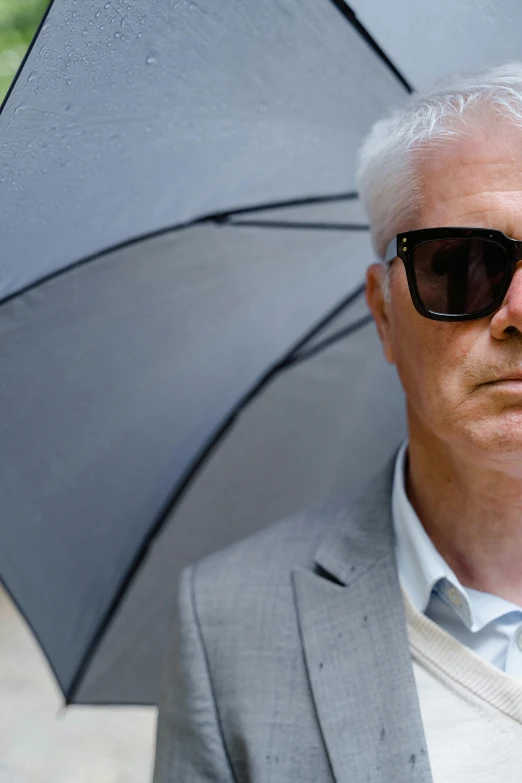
471	711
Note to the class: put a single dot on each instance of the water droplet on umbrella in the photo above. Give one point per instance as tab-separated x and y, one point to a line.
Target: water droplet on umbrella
150	60
31	76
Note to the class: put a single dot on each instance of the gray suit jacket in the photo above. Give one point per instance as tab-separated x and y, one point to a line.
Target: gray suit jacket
293	664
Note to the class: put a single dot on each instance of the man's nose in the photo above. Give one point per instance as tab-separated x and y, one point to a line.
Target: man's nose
509	316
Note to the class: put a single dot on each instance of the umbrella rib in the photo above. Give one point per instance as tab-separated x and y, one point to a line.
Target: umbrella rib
190	474
349	14
297	224
293	202
331	316
340	335
220	218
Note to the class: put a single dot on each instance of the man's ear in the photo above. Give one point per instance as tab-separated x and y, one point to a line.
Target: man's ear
379	307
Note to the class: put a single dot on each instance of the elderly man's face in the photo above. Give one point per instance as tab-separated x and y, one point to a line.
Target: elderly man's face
446	368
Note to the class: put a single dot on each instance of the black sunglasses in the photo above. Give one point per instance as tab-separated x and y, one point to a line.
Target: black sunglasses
455	273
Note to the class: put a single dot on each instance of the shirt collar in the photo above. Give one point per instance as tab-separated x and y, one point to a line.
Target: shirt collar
421	568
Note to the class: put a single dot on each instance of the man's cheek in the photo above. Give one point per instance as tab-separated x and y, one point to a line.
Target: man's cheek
412	374
432	389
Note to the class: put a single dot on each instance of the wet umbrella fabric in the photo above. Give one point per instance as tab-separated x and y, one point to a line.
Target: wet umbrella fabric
146	298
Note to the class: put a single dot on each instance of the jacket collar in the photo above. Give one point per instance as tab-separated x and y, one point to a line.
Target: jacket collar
353	629
360	531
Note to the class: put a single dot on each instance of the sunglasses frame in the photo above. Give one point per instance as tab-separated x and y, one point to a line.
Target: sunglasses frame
403	247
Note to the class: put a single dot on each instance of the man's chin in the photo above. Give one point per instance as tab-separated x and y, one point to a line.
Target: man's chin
499	437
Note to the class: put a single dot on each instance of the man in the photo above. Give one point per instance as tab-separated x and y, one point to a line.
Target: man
379	638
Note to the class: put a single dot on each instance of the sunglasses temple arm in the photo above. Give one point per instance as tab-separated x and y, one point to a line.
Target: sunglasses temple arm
391	251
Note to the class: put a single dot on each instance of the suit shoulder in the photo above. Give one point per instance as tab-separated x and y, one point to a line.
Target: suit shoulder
243	592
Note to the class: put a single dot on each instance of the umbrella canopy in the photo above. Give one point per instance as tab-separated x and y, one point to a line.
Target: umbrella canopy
179	226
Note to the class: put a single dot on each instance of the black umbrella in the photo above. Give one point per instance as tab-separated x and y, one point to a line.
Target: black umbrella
179	227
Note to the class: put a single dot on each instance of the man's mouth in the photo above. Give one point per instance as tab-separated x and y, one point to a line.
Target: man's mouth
509	385
515	377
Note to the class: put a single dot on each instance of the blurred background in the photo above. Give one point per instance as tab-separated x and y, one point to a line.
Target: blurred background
40	741
19	20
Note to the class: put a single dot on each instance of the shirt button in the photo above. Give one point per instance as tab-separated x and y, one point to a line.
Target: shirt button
456	598
519	638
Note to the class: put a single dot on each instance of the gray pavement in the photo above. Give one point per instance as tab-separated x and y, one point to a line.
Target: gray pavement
40	744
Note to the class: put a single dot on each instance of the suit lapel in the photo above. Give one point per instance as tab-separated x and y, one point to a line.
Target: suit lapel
356	647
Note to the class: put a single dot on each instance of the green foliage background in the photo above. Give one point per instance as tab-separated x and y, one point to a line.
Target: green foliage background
19	20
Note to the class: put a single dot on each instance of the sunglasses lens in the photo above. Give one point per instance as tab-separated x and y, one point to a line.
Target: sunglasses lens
459	276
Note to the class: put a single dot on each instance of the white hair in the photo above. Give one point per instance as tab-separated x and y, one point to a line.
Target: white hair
388	181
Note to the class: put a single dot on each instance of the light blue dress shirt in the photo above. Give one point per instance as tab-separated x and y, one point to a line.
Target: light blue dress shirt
487	624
